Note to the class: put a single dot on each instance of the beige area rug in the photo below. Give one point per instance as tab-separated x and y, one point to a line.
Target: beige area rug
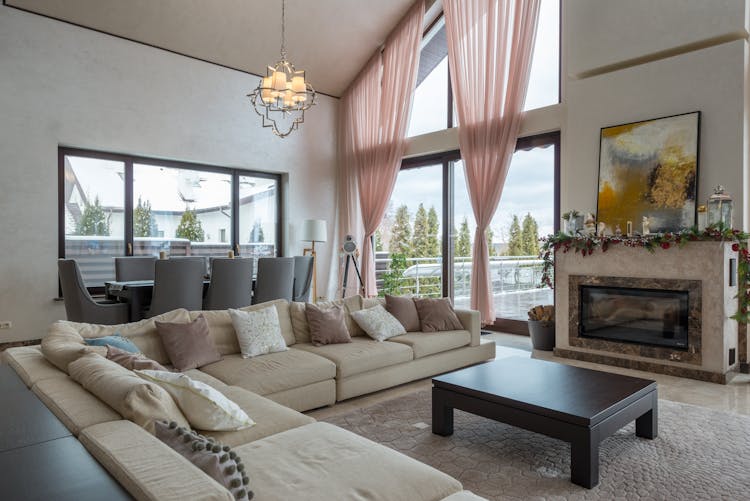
699	454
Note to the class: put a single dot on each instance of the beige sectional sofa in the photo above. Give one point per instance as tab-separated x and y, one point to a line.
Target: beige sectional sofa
288	454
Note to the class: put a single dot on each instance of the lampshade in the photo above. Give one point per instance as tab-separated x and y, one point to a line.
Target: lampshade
313	230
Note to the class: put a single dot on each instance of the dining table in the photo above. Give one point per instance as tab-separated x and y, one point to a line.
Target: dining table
137	293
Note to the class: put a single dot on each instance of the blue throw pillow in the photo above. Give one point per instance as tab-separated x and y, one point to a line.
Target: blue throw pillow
116	340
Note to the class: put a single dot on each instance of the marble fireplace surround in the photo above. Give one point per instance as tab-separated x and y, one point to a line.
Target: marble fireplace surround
702	266
694	288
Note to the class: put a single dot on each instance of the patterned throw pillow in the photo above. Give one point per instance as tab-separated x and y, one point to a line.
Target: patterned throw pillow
378	323
132	361
115	340
205	408
258	332
217	461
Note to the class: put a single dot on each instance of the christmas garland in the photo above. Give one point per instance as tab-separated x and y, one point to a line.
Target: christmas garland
586	244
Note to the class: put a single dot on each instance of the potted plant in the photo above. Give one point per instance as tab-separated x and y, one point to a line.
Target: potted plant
542	327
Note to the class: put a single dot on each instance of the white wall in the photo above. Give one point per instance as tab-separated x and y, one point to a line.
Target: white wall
63	85
649	60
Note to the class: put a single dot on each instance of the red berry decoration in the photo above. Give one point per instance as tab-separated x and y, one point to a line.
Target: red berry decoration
665	245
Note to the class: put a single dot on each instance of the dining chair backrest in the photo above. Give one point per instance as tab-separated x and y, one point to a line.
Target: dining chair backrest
79	305
134	268
231	284
178	283
303	272
275	279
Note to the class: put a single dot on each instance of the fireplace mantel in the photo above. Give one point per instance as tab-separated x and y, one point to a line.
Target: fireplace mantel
704	263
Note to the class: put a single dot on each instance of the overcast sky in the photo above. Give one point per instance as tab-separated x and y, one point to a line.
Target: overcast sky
530	183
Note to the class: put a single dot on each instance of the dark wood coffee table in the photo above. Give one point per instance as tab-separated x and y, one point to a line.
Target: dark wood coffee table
580	406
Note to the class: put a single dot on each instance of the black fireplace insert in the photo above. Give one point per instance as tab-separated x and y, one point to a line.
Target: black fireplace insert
644	316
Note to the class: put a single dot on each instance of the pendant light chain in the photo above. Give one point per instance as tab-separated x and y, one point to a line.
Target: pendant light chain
283	30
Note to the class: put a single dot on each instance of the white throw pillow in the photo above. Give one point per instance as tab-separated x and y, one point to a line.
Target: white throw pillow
258	332
204	407
378	323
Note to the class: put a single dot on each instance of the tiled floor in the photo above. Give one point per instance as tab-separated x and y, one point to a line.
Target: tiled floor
732	397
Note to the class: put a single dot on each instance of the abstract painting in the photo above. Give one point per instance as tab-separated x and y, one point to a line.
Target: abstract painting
648	172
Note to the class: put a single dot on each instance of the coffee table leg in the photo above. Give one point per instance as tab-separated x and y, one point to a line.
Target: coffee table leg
442	414
584	461
647	426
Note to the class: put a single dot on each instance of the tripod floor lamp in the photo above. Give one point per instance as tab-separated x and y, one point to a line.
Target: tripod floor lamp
313	230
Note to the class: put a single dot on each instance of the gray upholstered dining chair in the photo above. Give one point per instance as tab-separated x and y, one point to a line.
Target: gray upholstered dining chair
79	305
231	284
303	272
178	283
134	268
275	279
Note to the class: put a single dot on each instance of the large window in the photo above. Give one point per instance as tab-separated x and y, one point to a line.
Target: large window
117	205
433	108
418	253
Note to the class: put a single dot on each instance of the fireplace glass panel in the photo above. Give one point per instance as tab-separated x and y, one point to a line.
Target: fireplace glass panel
643	316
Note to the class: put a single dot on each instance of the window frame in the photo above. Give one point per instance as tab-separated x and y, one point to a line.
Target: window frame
128	162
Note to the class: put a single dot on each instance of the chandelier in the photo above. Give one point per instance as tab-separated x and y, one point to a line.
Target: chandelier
283	95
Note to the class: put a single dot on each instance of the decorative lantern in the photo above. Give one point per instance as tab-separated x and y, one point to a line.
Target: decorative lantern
720	207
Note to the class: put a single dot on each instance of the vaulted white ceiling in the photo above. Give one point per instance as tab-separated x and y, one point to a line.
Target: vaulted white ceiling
330	39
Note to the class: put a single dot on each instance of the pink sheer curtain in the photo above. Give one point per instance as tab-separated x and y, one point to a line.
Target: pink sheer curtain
375	115
490	45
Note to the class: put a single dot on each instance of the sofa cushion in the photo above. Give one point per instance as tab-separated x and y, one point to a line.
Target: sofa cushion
429	343
269	417
436	314
146	467
217	461
326	462
328	325
188	344
299	320
273	372
403	308
30	364
361	355
223	333
258	332
72	404
132	360
204	406
378	323
132	397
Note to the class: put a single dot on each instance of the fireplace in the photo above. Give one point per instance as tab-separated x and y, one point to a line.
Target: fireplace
654	317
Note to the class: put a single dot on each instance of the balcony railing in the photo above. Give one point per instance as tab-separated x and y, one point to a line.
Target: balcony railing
422	276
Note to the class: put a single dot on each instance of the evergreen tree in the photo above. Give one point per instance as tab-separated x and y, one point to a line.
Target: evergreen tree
190	227
419	238
93	220
144	222
401	233
256	233
530	236
393	279
378	241
433	233
489	235
463	242
515	243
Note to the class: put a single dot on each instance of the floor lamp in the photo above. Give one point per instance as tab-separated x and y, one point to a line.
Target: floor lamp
313	230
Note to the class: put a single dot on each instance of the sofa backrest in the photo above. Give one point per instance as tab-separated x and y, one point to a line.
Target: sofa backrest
222	331
64	342
299	320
